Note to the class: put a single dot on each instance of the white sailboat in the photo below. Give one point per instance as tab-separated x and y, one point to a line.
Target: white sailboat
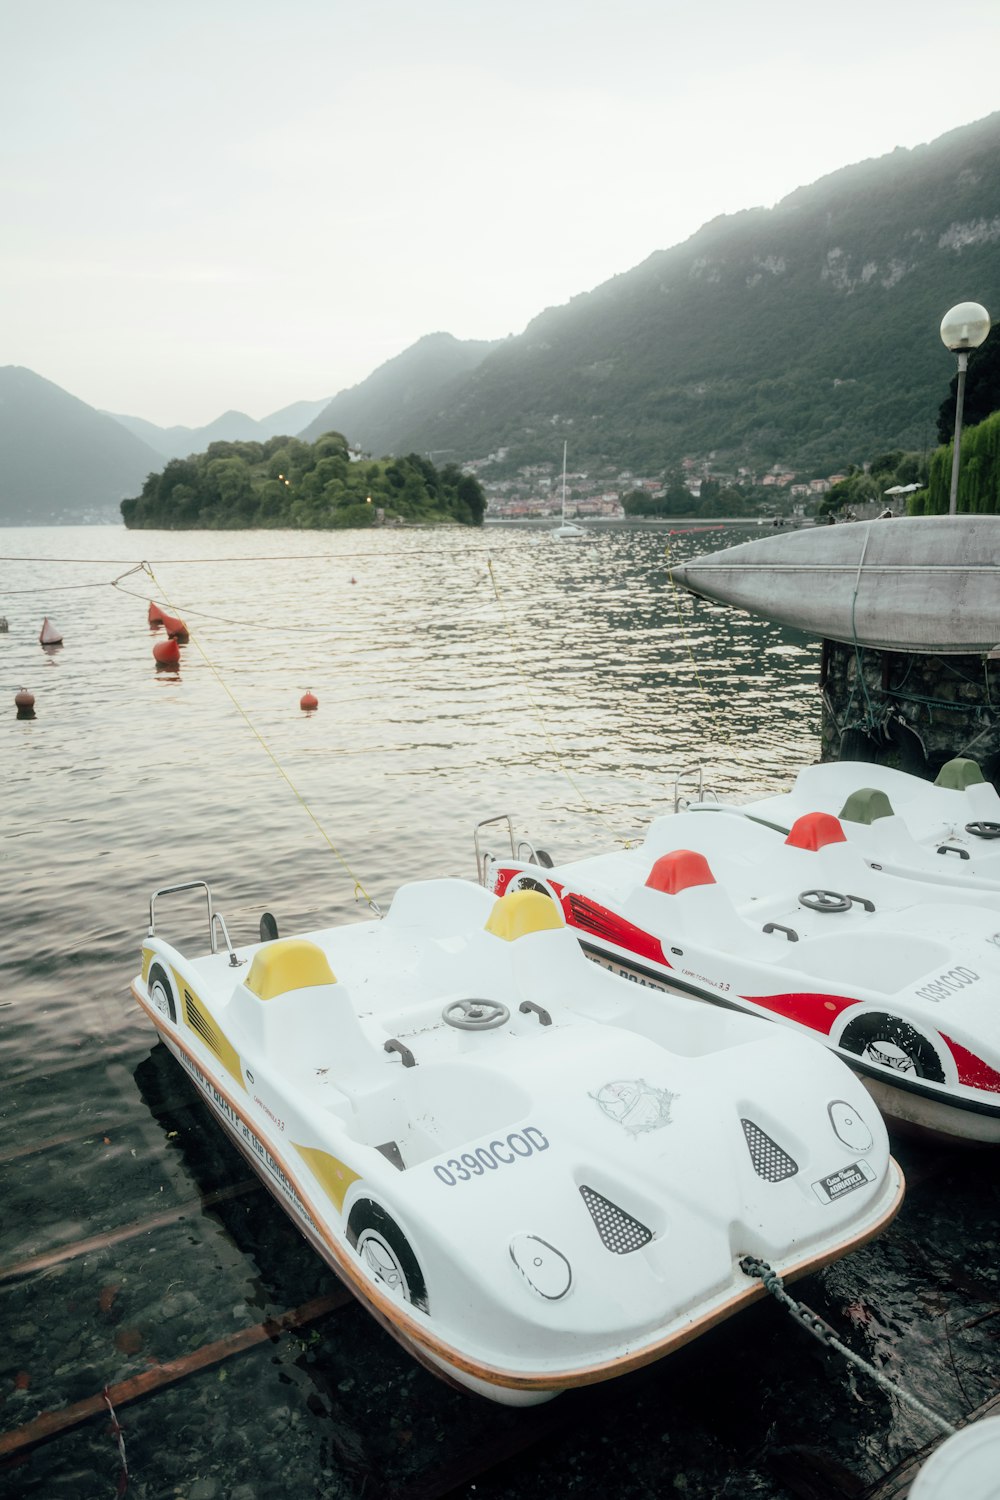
569	531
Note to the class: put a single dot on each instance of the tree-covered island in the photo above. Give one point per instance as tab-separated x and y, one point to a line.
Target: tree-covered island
307	486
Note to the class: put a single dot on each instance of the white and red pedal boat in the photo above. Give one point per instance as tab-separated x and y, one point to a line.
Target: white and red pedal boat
533	1173
941	832
898	976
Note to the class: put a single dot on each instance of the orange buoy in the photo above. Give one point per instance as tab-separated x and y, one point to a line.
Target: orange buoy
49	635
25	704
309	701
174	627
167	653
155	614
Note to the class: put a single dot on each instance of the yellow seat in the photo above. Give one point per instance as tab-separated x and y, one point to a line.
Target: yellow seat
291	964
520	912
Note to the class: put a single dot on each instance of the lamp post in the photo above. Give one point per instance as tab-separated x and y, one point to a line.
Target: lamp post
963	328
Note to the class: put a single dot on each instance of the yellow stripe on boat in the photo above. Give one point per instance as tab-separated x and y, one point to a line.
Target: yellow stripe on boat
147	959
334	1176
292	964
204	1026
520	912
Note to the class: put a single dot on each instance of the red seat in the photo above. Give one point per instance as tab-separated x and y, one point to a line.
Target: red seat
676	871
815	829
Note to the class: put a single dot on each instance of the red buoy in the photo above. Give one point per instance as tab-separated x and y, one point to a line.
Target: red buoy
167	653
25	704
309	701
155	614
174	627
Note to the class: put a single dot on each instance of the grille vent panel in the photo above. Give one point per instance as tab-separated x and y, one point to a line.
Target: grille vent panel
620	1232
199	1022
769	1160
593	918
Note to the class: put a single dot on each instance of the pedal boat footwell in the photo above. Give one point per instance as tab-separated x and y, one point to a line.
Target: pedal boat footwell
945	832
556	1184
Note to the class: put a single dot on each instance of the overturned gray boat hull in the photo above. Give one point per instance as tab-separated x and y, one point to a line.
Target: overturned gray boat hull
920	583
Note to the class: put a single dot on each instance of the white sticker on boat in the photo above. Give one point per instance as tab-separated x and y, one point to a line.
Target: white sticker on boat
829	1189
635	1104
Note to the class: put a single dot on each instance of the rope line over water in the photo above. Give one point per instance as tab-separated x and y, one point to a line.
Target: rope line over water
359	889
133	565
202	614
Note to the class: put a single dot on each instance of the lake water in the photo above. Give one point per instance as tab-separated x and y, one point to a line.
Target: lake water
460	675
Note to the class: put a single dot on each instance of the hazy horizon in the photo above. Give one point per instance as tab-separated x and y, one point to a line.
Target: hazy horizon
240	207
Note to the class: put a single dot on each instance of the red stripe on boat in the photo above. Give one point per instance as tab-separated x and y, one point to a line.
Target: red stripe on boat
590	916
816	1011
972	1071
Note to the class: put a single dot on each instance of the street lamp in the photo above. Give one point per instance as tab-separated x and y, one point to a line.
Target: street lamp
963	328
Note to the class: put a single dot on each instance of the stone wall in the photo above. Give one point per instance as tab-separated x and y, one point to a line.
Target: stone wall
910	711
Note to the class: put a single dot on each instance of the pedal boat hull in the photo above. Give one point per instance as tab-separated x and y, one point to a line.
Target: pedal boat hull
470	1310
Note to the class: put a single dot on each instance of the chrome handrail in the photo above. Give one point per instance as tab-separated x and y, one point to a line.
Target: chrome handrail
217	916
480	856
213	915
699	771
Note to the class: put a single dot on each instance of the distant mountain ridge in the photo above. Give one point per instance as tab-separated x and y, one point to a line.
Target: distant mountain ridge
231	427
60	460
806	333
402	394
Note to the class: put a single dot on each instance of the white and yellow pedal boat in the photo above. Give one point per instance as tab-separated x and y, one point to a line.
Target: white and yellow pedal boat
535	1174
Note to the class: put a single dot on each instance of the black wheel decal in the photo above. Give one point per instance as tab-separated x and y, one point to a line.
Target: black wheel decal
526	883
161	992
371	1230
863	1035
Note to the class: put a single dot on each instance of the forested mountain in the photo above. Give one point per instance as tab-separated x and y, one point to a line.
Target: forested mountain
231	427
806	333
60	460
403	394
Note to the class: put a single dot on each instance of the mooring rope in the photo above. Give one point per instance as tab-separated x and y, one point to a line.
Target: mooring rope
119	1433
359	889
203	614
822	1331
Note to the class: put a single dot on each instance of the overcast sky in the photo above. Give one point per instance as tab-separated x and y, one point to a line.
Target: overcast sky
208	204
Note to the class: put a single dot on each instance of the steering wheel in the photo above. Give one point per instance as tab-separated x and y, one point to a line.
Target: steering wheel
825	901
983	830
475	1015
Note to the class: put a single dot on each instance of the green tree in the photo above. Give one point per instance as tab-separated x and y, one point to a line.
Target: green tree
285	482
982	390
